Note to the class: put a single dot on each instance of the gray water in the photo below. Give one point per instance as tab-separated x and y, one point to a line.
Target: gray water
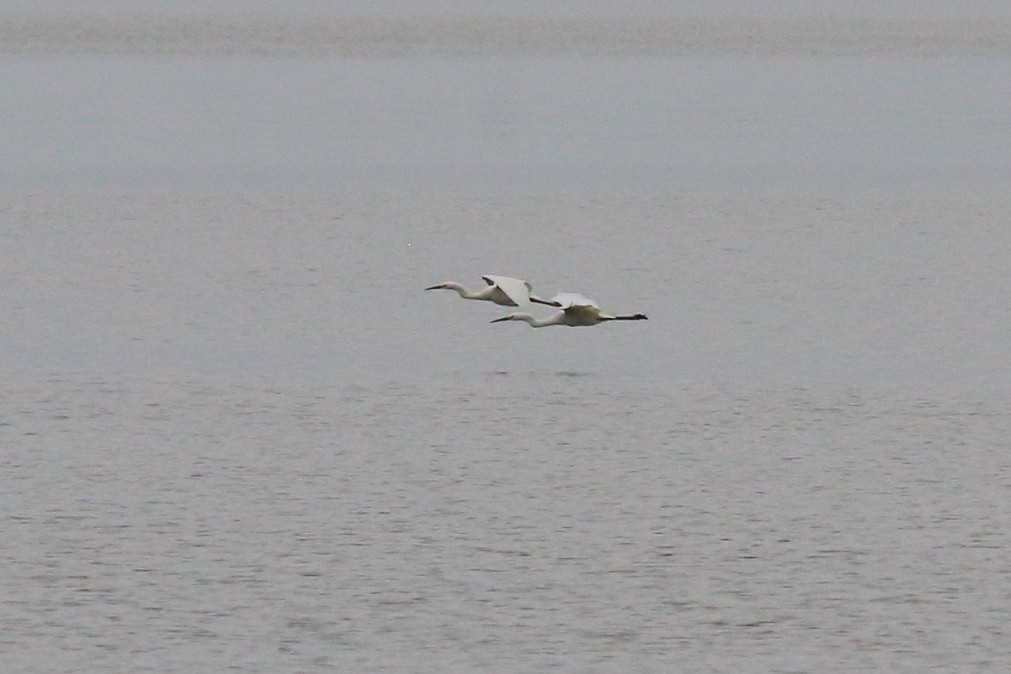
236	434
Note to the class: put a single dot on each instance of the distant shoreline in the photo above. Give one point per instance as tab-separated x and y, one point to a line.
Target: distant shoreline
202	33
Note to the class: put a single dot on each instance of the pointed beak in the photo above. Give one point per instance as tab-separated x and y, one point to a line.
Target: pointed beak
433	287
499	320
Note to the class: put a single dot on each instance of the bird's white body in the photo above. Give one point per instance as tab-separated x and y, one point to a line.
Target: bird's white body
577	311
503	290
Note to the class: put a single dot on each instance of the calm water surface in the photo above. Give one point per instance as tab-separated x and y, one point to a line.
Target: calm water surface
501	521
236	434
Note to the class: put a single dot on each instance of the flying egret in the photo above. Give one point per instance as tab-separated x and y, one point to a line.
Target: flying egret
576	311
504	290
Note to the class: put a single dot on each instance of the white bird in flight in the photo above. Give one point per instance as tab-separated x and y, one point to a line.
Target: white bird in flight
576	311
504	290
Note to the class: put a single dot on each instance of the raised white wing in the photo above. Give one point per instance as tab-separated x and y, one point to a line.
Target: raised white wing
515	289
567	300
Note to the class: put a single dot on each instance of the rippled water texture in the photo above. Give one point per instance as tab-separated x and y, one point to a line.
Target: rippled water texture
501	522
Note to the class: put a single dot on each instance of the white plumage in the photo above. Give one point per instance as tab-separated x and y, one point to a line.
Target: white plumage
503	290
577	311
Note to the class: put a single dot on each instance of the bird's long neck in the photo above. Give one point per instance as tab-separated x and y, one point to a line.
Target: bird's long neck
461	291
538	322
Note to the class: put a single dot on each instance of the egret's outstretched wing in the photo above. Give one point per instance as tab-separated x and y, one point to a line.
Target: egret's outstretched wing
513	288
566	300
